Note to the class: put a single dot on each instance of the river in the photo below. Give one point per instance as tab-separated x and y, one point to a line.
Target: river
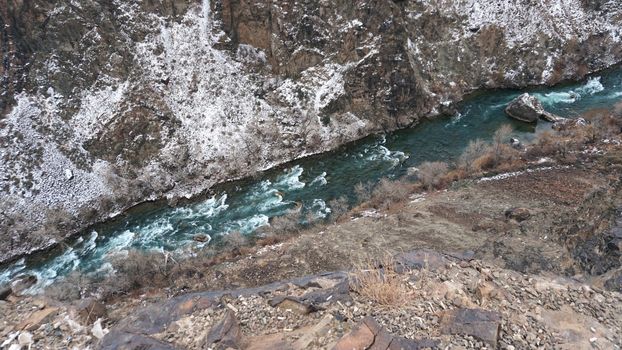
247	205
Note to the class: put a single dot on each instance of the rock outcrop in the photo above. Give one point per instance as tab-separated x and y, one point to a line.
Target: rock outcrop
527	108
139	100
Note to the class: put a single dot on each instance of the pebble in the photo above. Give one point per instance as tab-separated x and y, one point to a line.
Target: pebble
24	339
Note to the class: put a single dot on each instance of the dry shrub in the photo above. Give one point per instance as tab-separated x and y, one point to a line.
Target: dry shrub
73	287
501	151
608	125
480	156
545	145
140	269
363	191
234	240
485	162
431	174
505	154
559	146
285	224
474	150
379	283
338	207
455	175
270	239
388	192
580	135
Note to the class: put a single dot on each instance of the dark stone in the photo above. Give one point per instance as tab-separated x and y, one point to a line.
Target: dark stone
413	344
482	324
117	340
5	291
615	282
466	255
518	214
615	245
202	238
340	292
224	335
155	318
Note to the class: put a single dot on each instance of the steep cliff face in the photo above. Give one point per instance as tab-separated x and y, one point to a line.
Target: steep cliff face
109	103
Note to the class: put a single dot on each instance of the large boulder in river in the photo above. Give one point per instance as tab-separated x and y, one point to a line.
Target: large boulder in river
529	109
22	283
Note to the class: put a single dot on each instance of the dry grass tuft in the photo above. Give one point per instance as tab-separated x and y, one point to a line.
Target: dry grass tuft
379	282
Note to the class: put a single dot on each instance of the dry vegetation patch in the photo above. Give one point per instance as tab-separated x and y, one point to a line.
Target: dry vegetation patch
379	282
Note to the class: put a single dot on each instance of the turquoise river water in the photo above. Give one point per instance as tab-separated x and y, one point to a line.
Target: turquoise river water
245	206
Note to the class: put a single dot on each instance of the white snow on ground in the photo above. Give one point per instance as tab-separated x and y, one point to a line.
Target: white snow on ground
208	91
97	109
49	179
517	173
561	17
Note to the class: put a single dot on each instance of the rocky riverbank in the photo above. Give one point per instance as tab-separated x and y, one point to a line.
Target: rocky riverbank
111	104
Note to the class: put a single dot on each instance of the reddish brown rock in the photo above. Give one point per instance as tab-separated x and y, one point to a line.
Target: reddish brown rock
368	334
361	337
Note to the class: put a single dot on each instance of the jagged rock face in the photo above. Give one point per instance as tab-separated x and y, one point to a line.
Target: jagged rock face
143	99
405	58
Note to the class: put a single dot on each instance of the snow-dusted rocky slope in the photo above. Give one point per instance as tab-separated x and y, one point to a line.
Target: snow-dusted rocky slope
107	104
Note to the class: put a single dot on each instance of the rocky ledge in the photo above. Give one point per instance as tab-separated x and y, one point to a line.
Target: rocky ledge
444	303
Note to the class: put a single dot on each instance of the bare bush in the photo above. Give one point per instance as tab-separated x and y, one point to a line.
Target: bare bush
285	224
138	270
476	149
501	151
73	287
608	125
431	173
502	135
235	240
379	283
388	192
544	146
338	207
363	191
